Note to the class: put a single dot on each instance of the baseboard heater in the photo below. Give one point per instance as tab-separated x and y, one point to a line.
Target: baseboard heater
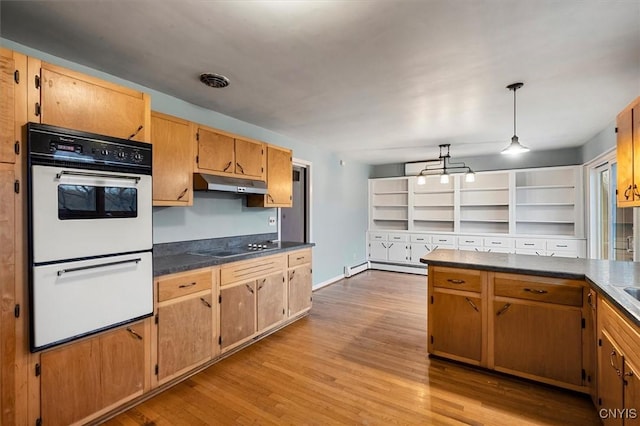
350	271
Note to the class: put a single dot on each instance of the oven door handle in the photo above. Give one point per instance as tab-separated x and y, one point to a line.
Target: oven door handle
100	175
102	265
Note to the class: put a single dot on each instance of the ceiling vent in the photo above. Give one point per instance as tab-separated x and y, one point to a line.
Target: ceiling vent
214	80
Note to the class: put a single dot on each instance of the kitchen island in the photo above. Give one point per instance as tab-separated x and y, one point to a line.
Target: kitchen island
573	323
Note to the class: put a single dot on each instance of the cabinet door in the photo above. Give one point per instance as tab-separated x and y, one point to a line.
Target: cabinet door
185	335
631	394
250	159
299	289
398	252
610	390
417	251
215	152
378	250
455	326
172	160
237	313
7	110
122	363
544	341
70	382
271	300
279	177
73	100
625	157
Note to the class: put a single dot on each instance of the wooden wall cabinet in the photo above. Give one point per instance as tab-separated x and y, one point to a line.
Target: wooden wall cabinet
299	282
66	98
225	154
279	180
186	322
628	155
82	379
171	138
618	368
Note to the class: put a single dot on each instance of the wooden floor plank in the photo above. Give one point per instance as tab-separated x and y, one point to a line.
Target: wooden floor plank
358	358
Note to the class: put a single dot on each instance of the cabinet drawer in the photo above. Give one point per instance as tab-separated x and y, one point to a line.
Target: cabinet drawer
530	244
299	258
397	238
469	241
176	285
251	269
443	241
549	290
563	245
458	279
498	242
425	239
377	236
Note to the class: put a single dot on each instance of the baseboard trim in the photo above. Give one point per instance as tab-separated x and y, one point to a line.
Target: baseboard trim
394	267
327	282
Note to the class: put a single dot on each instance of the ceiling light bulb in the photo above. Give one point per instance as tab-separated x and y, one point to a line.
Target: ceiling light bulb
444	178
514	147
470	177
422	180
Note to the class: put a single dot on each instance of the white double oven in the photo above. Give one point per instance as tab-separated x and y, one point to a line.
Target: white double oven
90	233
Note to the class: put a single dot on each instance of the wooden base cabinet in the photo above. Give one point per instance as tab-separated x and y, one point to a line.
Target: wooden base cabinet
299	282
82	379
618	368
271	301
237	313
186	322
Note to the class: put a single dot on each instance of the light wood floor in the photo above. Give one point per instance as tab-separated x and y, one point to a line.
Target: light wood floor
358	358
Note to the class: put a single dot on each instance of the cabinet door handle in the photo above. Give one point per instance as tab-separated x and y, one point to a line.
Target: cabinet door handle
271	200
590	300
227	166
264	280
291	274
535	291
473	305
240	167
187	285
207	304
635	190
455	281
134	334
249	288
614	362
183	193
627	191
503	309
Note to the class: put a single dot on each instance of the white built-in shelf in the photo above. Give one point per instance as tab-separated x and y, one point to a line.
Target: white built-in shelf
505	188
391	205
546	187
390	192
543	221
486	205
433	206
433	220
435	191
546	204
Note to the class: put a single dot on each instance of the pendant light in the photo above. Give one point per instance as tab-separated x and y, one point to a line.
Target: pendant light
443	167
514	147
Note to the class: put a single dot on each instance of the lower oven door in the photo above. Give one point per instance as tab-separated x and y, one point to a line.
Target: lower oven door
80	213
73	299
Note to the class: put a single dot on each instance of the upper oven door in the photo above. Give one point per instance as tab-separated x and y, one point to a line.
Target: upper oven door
80	213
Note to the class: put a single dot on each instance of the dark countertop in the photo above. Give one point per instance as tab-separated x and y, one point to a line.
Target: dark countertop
167	262
607	277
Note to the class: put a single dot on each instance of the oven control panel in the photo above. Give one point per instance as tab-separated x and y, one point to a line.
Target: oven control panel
51	145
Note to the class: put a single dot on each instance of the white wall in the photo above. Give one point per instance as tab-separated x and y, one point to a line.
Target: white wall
339	194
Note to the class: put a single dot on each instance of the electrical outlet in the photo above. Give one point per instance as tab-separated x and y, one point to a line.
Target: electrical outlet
272	221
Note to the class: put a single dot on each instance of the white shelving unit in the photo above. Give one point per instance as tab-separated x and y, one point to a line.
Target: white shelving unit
433	205
484	203
389	204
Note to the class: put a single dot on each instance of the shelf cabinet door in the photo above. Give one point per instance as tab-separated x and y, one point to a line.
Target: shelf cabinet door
378	250
122	363
299	289
216	152
417	251
250	159
610	390
7	109
271	303
185	335
544	341
398	252
237	313
455	326
172	160
76	101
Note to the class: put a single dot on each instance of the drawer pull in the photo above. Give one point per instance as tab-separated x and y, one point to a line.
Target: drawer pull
187	285
467	241
300	258
613	362
473	305
529	244
536	291
207	304
452	281
442	241
503	309
496	243
561	245
134	334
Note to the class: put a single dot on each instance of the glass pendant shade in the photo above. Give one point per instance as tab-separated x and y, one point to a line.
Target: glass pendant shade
514	147
444	178
421	180
470	177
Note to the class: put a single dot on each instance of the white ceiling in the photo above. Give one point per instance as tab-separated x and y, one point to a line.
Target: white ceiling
381	81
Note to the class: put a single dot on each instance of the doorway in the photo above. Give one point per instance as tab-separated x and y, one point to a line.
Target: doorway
295	222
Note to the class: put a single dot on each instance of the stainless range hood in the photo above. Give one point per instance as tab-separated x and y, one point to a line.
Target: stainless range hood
204	182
